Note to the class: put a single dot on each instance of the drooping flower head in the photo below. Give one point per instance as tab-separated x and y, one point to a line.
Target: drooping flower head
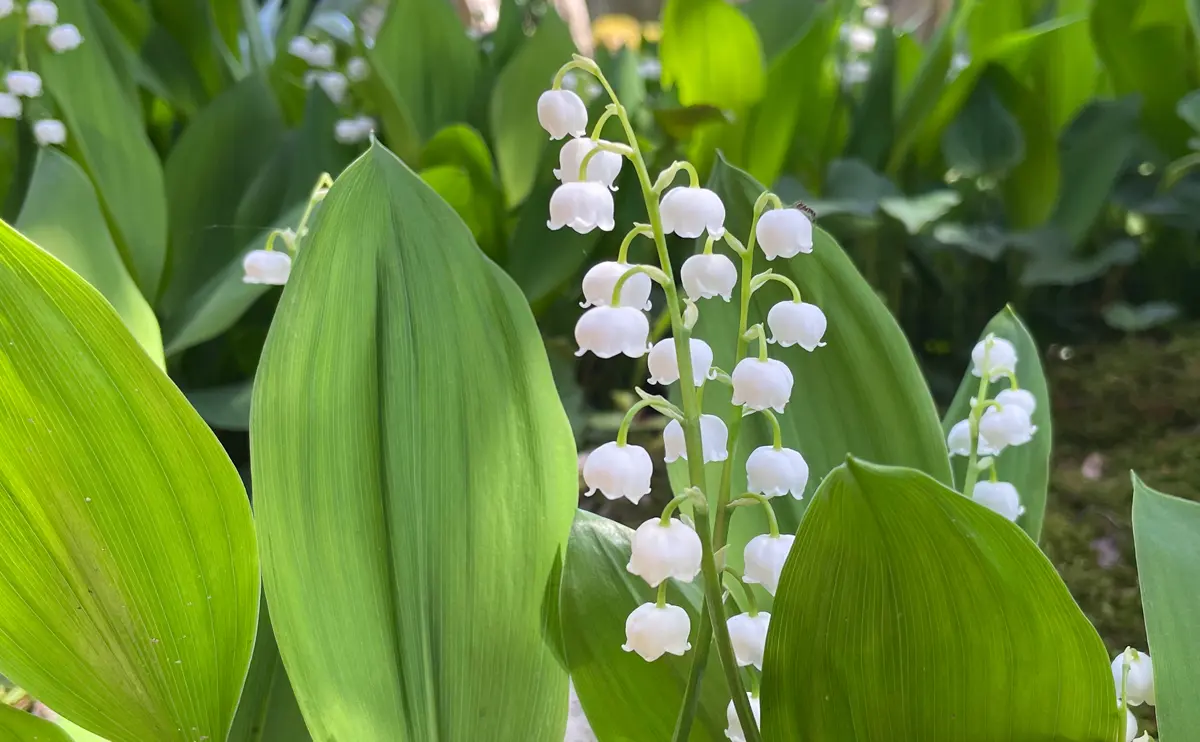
562	112
772	472
688	212
714	439
663	364
610	331
652	631
604	167
23	83
618	471
797	323
734	725
1001	358
41	13
1139	683
1007	426
601	279
659	552
748	634
784	233
999	497
64	38
582	207
267	267
705	276
762	385
49	131
764	558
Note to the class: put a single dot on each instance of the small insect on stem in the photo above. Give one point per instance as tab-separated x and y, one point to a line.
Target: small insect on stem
806	209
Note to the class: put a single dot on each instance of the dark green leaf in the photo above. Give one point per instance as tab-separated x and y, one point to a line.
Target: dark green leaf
462	148
779	23
1128	318
871	132
268	711
1062	268
984	139
906	612
224	407
918	212
19	726
192	25
411	521
711	54
1188	109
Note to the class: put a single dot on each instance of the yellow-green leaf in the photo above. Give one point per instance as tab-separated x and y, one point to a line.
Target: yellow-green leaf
19	726
711	53
129	584
414	476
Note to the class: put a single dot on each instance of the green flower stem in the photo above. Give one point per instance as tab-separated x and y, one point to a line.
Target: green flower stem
314	197
666	177
734	243
973	418
708	245
758	332
634	409
691	422
691	697
754	498
619	149
747	602
661	602
761	280
776	431
609	111
655	274
638	230
673	504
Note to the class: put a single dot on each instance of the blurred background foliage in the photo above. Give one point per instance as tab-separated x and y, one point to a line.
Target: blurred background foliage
966	154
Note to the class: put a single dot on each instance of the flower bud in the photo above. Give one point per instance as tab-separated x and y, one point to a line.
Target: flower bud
10	106
49	131
1022	398
357	69
999	497
301	47
663	364
562	112
64	38
41	13
322	55
959	441
582	207
267	267
687	212
652	631
666	551
23	83
714	440
610	331
762	384
601	279
1007	426
1139	684
1001	358
860	39
604	167
784	233
772	472
876	16
618	471
764	559
734	731
748	634
706	276
797	323
334	84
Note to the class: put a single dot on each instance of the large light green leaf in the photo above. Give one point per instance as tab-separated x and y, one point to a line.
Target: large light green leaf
625	697
519	139
208	171
1166	535
462	148
1027	467
413	510
908	612
711	53
129	584
106	136
423	53
19	726
862	393
62	215
268	710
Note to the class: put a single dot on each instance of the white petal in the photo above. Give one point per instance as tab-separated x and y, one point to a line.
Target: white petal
784	233
562	112
601	279
761	385
707	276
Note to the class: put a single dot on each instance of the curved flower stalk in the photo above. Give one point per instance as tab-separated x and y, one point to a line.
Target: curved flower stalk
271	266
618	294
24	93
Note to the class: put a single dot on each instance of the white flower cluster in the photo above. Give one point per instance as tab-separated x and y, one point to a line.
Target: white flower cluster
22	83
321	56
1006	420
1133	678
860	42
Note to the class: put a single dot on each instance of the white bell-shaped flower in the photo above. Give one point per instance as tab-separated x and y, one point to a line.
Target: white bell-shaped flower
1139	684
334	84
876	16
714	440
610	331
6	8
760	385
1022	398
687	212
706	276
797	323
23	83
959	441
357	69
353	131
734	725
659	552
604	167
300	47
1001	358
748	634
1007	426
652	631
772	472
999	497
582	207
41	13
601	279
618	471
49	131
266	266
1131	725
64	38
562	112
663	364
322	55
860	39
784	233
764	558
10	106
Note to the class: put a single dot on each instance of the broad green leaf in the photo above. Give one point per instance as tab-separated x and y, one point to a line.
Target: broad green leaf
106	136
1027	467
1066	65
625	697
268	710
461	147
1166	535
192	24
77	733
861	394
871	132
779	22
906	611
424	54
207	173
224	298
711	54
19	726
412	520
518	137
129	586
224	407
984	139
62	215
1033	184
399	126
